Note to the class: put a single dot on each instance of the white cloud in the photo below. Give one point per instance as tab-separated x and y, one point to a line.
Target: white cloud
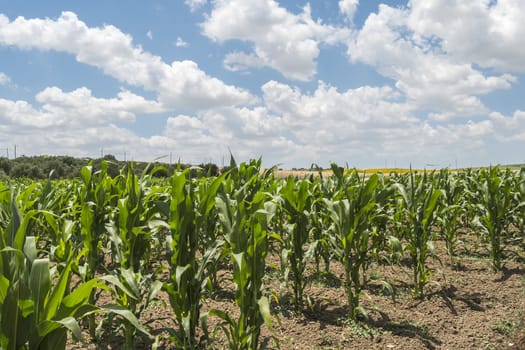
4	79
74	123
286	42
369	122
149	34
509	128
210	135
415	119
180	42
348	8
75	109
514	122
355	126
179	85
194	5
488	33
429	77
333	120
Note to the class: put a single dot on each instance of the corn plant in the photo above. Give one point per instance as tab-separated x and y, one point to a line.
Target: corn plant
351	214
519	218
418	204
296	200
96	206
207	223
188	271
131	233
244	216
449	214
34	312
93	220
134	292
496	209
327	188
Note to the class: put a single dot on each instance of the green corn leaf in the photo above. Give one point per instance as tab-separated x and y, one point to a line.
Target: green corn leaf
86	174
12	320
30	250
15	236
179	272
4	287
127	315
40	283
76	304
131	281
47	327
264	309
57	294
239	260
55	340
116	282
431	206
154	289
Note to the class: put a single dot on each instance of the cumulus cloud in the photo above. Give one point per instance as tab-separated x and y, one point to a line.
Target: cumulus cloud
74	123
430	77
509	128
356	124
286	42
247	132
488	33
514	122
113	51
432	110
75	109
333	120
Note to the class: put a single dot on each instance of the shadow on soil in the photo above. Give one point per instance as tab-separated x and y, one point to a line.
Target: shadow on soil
473	300
508	273
327	314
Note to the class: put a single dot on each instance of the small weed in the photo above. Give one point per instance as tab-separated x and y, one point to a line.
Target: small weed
508	327
358	329
326	339
488	346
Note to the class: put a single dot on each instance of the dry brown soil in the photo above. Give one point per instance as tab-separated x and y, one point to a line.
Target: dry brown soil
465	307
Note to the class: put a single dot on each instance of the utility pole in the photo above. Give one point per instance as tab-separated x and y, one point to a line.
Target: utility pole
124	155
15	152
171	154
102	153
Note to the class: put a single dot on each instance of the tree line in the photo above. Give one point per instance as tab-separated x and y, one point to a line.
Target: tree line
68	167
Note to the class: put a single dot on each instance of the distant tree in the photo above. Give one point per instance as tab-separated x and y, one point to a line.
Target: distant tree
209	169
5	165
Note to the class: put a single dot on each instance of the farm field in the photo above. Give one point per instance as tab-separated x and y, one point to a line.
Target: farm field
249	260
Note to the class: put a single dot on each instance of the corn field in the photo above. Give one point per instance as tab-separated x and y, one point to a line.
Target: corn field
64	243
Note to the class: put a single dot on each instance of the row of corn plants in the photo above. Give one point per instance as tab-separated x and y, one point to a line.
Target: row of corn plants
65	243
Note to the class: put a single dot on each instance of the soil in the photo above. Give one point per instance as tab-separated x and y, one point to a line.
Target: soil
466	306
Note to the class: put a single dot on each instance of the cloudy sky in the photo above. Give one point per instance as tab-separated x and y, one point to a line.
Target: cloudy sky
368	83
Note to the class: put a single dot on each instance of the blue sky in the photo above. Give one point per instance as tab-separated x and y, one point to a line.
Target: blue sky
364	83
